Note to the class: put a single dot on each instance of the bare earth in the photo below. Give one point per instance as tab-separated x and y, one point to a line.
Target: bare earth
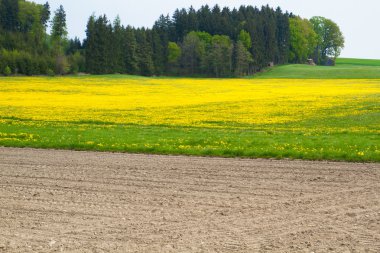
103	202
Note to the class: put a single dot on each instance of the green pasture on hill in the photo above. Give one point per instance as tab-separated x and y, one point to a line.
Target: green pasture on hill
345	69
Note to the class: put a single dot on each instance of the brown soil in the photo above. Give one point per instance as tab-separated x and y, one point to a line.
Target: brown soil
103	202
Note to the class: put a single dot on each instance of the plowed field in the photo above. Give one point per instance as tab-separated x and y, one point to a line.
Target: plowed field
109	202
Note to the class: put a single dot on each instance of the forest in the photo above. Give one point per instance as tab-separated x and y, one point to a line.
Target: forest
210	42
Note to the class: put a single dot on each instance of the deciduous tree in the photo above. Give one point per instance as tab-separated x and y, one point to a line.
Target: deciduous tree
330	40
193	52
303	40
174	55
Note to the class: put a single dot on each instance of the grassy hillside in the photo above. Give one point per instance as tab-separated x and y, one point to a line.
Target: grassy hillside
345	69
358	62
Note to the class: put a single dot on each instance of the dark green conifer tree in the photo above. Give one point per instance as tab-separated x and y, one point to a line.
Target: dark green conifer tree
117	43
59	31
144	52
9	10
45	14
130	51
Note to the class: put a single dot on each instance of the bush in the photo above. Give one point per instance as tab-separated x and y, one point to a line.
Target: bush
62	66
77	63
21	62
7	71
50	72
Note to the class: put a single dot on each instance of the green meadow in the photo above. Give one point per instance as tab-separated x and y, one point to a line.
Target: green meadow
345	69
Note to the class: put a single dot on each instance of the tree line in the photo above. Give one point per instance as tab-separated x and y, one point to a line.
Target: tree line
25	46
209	41
217	42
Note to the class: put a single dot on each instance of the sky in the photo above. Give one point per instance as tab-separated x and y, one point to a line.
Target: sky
358	20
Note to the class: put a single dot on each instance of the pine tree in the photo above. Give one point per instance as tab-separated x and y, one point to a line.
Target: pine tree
59	31
159	53
180	23
91	50
130	52
204	19
192	21
9	10
117	43
161	33
282	36
59	28
45	14
269	32
144	52
74	45
255	27
98	56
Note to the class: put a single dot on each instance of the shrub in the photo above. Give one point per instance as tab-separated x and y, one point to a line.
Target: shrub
50	72
7	71
62	66
77	63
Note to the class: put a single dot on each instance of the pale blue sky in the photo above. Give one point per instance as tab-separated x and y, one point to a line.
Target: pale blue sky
359	20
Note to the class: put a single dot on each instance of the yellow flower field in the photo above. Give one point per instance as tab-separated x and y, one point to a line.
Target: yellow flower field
295	118
238	103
